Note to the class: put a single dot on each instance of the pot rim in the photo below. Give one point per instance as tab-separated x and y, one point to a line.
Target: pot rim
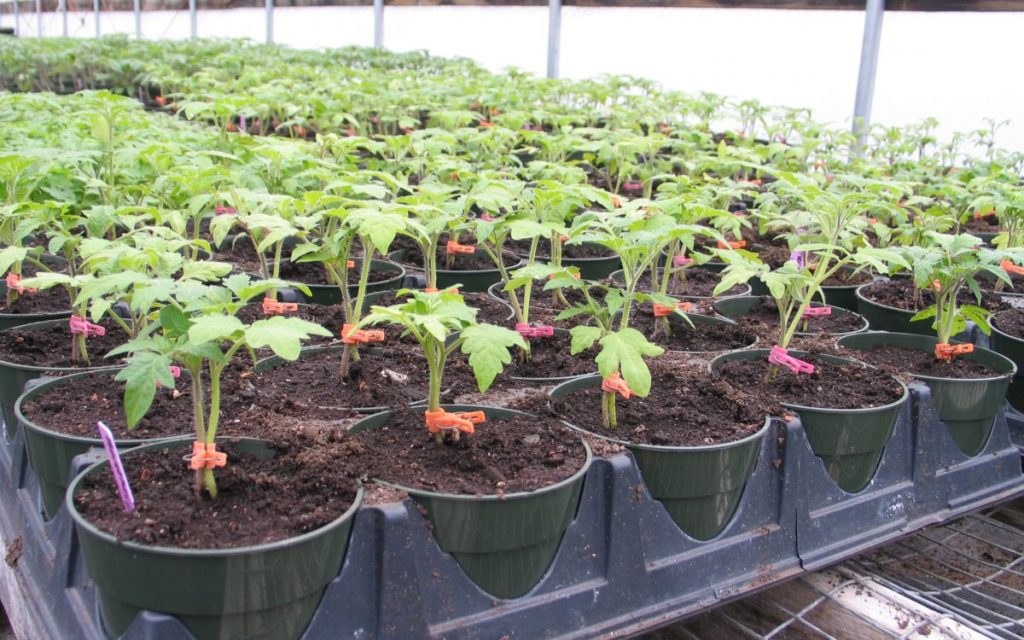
184	552
921	376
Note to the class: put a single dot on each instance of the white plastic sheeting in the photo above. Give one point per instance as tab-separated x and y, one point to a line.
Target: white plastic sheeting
957	67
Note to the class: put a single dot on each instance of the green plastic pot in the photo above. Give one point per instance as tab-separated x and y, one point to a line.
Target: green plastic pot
271	362
590	268
736	307
843	296
849	442
50	452
505	544
618	279
882	317
1013	348
9	320
968	407
265	591
700	487
13	377
331	294
473	281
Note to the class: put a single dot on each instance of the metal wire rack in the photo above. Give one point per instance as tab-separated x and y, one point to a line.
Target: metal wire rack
962	580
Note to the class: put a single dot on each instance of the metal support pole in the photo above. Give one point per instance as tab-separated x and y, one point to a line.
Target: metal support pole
39	18
17	19
378	24
193	23
868	69
64	17
137	6
96	15
270	21
554	36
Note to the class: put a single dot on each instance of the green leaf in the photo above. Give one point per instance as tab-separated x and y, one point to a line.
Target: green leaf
624	351
205	271
283	335
216	326
174	321
488	346
142	375
583	337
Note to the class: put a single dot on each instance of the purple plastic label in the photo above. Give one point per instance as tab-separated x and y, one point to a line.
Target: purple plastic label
798	258
242	124
116	468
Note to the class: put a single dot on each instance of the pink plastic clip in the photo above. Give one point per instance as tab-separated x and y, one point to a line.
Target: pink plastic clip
782	358
681	261
486	217
527	331
224	211
175	373
82	326
817	312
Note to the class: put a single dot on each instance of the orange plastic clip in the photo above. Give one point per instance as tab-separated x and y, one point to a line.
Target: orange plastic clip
736	244
455	247
351	335
1007	266
14	284
617	202
351	264
873	221
206	456
436	290
272	307
949	351
978	215
576	275
485	124
461	420
615	384
936	285
662	310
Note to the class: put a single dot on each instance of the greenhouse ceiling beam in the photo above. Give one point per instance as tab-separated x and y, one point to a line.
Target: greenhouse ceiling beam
554	36
378	24
868	69
811	5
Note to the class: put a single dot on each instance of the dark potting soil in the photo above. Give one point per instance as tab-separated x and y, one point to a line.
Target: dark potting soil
503	456
385	378
984	224
239	251
844	278
45	301
330	317
549	358
698	282
541	299
900	362
571	251
764	312
831	386
1010	322
476	261
684	408
259	501
698	338
316	273
51	347
899	293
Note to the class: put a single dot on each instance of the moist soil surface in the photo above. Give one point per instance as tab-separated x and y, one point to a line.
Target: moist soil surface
848	279
330	317
45	301
685	408
899	293
831	386
380	378
549	358
570	251
476	261
1010	322
765	314
698	338
983	224
699	283
503	456
259	501
902	362
239	251
51	347
315	273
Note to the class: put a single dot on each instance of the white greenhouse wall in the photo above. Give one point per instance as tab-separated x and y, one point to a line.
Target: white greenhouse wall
957	67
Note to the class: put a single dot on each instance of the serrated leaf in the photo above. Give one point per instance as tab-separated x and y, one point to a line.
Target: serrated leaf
144	372
624	351
488	347
216	326
283	335
583	338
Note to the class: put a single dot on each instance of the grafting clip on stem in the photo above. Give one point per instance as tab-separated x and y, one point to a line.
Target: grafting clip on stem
615	384
454	247
14	284
440	420
1007	266
540	331
817	312
782	358
272	307
205	456
351	335
662	310
947	352
81	326
735	244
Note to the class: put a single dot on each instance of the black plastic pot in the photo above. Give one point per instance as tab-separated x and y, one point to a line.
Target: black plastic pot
590	268
331	294
698	320
700	487
968	407
13	377
262	591
9	320
469	280
1013	348
266	364
50	452
616	277
505	543
844	296
849	442
736	307
882	317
